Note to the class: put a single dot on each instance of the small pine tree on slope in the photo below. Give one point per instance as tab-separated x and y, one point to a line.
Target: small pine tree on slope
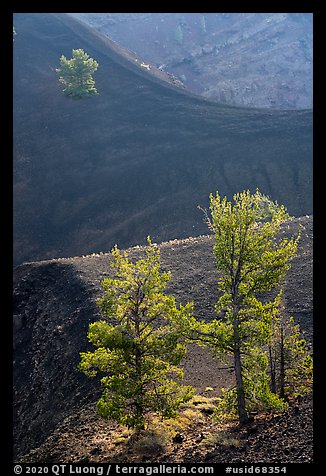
76	74
137	348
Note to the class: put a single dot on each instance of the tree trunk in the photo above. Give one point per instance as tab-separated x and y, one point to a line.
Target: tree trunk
272	370
282	365
139	400
241	401
139	409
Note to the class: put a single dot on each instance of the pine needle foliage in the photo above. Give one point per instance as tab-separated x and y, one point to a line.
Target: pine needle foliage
76	74
251	259
290	359
138	350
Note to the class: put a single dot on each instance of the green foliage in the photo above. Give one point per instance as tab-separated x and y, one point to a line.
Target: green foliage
256	383
258	396
250	261
179	35
291	365
141	343
248	257
76	74
137	348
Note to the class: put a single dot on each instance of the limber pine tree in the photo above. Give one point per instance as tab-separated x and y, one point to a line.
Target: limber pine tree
138	351
290	362
250	261
76	74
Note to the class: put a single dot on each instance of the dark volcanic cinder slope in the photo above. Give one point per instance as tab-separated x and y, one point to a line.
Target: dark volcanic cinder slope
54	301
138	158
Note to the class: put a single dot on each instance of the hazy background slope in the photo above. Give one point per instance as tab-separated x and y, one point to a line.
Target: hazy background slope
252	59
138	158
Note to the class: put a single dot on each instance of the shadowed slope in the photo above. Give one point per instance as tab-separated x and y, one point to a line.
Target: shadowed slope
54	301
138	158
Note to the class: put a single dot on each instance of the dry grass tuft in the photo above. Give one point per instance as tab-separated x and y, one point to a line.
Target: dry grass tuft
151	442
221	438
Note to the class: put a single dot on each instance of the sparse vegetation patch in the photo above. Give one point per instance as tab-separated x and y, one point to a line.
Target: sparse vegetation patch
76	74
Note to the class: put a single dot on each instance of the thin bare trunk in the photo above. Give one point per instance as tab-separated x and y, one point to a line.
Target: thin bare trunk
282	365
241	400
272	364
